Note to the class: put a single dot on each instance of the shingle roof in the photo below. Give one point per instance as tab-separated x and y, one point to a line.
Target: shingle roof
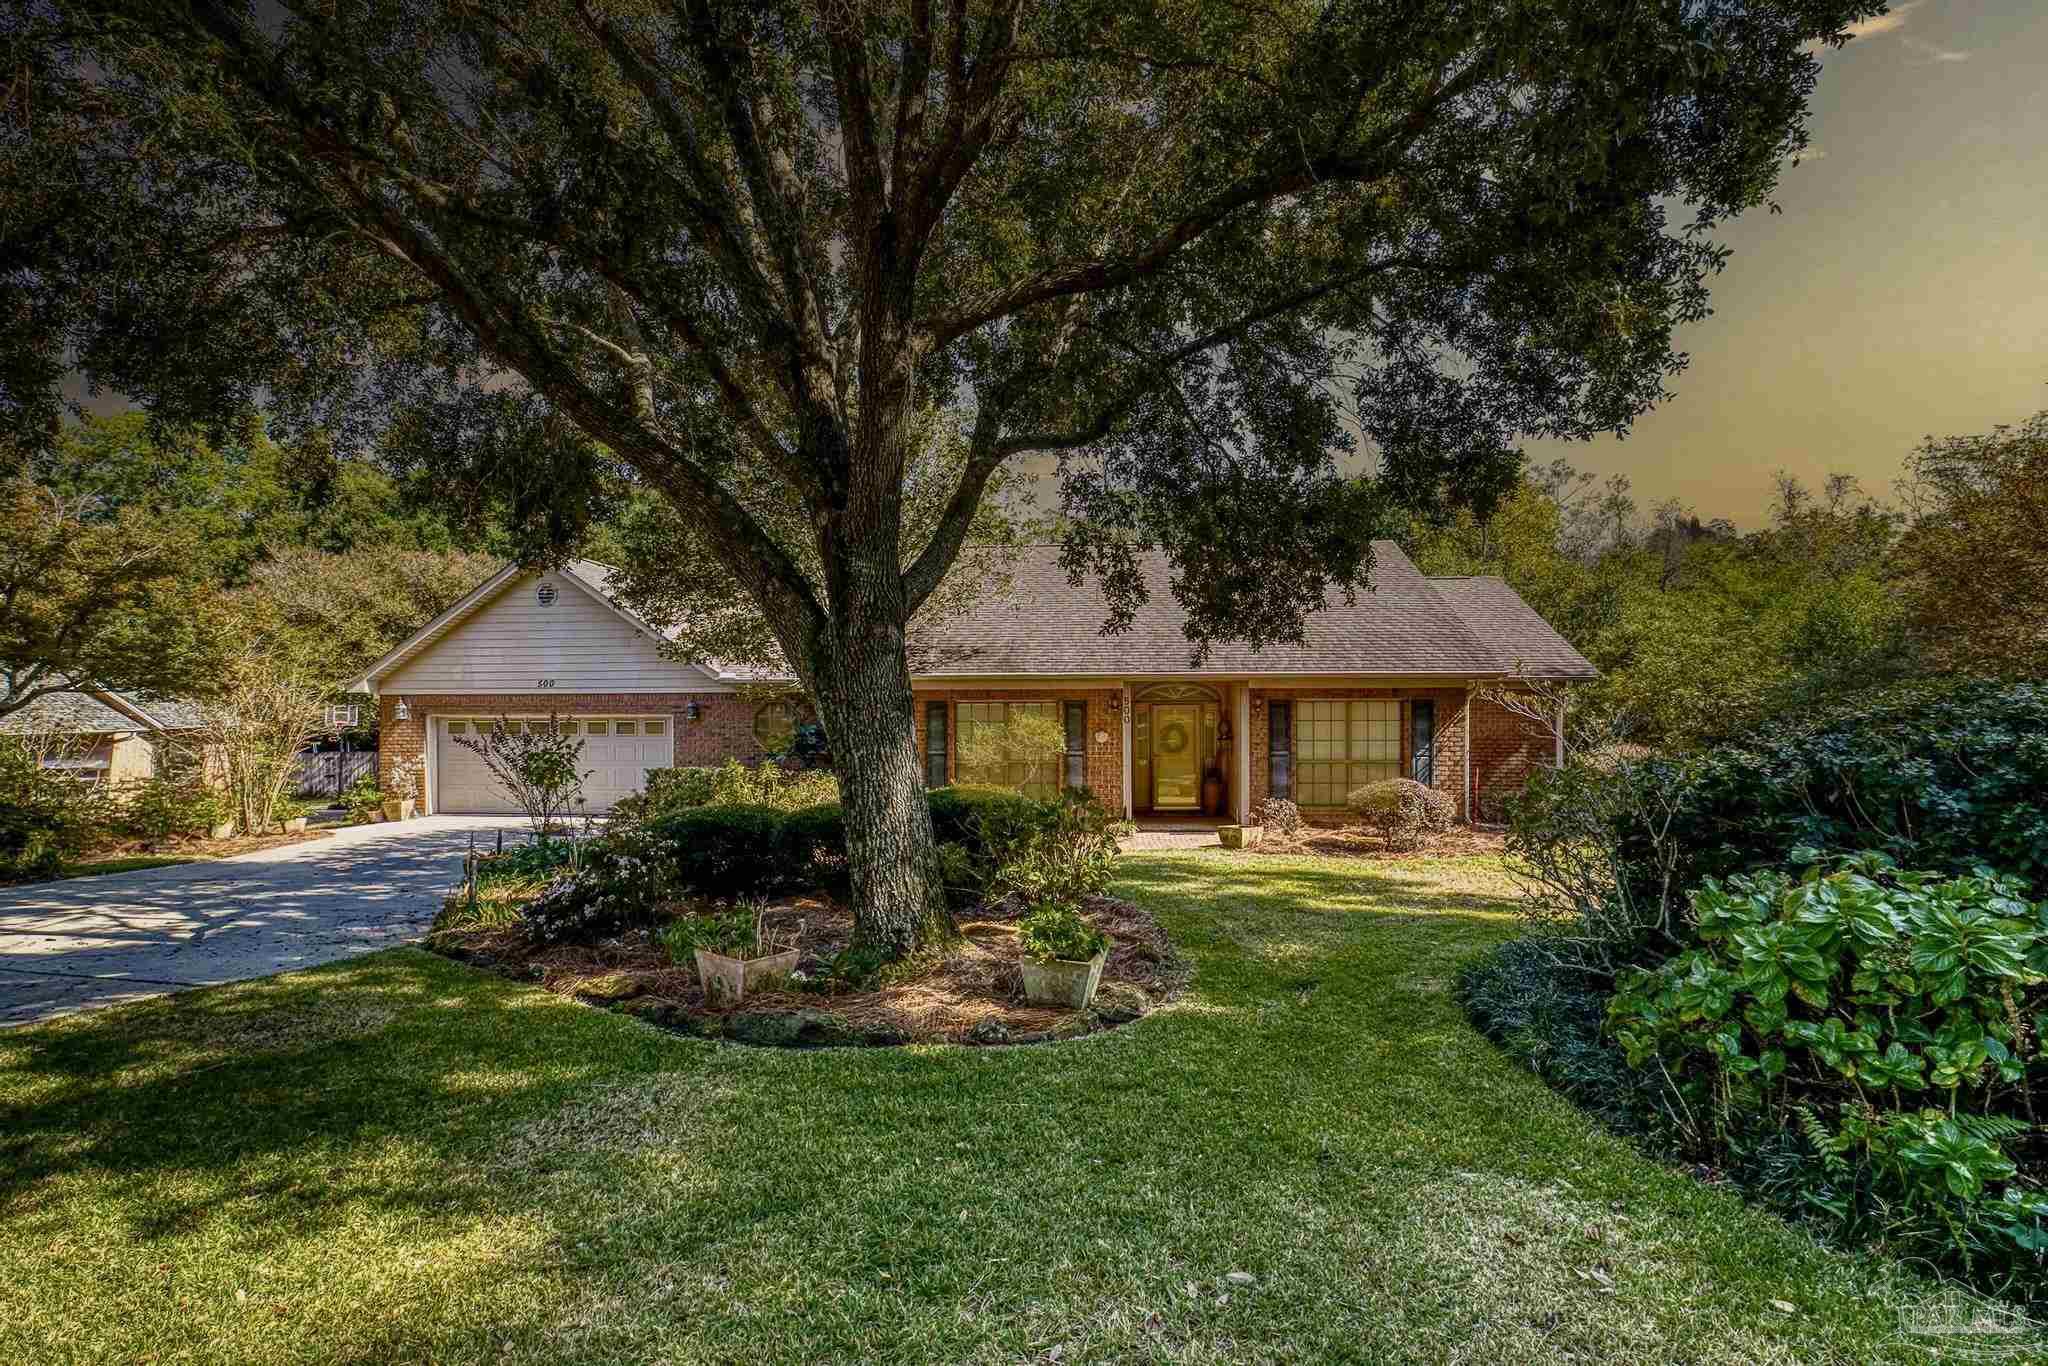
89	713
1405	624
1524	642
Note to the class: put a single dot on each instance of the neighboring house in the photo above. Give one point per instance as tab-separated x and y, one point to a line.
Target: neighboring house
103	736
1384	686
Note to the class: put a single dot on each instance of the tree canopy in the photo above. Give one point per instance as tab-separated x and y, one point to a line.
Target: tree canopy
727	253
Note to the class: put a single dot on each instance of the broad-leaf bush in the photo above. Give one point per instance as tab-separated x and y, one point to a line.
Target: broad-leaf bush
1948	781
1061	850
1892	1022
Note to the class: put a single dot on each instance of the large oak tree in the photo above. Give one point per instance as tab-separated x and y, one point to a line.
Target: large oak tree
729	251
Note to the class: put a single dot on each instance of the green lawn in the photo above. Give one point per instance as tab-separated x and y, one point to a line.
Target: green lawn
125	863
398	1158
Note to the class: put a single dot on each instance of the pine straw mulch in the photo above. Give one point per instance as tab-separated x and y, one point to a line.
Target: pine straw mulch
970	993
1457	842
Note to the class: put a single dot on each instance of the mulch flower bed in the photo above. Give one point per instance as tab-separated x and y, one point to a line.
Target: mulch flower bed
970	993
1354	843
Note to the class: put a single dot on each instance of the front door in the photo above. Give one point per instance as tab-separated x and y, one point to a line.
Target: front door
1176	772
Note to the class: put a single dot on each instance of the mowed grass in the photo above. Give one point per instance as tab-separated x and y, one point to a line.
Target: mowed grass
400	1159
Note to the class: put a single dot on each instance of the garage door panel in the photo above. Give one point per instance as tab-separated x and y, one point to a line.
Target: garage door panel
615	765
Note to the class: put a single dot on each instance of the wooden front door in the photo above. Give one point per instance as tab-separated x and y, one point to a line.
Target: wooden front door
1176	758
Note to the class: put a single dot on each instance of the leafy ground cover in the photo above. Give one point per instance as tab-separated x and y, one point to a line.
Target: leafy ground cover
1310	1157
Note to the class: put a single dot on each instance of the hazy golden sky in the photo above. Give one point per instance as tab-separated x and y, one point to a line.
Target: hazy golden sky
1902	292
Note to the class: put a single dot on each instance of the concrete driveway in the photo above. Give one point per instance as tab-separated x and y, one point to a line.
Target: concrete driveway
92	941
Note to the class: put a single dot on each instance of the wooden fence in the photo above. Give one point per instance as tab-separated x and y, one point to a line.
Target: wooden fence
329	774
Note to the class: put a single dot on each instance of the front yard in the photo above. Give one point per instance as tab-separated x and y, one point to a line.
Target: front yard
1310	1157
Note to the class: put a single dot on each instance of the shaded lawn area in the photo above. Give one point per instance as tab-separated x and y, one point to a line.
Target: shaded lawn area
398	1158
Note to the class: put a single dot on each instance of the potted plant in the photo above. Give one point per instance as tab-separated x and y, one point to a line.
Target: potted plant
290	815
401	787
733	951
1063	957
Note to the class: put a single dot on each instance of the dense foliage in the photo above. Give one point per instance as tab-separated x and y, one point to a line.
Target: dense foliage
1891	1023
1860	1047
537	764
1947	780
995	840
46	819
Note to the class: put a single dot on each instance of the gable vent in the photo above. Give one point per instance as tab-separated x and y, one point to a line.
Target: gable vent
546	594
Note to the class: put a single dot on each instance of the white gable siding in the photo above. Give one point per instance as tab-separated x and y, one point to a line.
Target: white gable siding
513	643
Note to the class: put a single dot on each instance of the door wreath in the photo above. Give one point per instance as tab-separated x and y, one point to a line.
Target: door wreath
1173	737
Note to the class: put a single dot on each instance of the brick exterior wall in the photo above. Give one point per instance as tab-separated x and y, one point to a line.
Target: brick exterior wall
1448	748
1105	761
723	730
1506	750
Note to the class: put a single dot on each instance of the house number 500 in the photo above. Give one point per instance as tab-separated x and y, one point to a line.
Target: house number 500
547	682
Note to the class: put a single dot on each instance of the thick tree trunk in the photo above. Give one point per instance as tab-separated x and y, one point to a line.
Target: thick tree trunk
864	701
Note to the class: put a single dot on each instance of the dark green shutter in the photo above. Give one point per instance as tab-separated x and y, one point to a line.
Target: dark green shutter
1077	744
935	744
1280	749
1422	741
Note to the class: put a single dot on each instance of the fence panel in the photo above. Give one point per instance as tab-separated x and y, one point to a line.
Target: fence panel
331	773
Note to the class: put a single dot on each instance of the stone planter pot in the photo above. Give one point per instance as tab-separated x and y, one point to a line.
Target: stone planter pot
295	826
399	810
1060	982
224	831
1239	836
728	980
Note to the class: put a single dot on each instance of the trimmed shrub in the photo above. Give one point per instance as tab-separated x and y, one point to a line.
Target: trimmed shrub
1401	809
968	814
814	842
1277	814
728	851
670	791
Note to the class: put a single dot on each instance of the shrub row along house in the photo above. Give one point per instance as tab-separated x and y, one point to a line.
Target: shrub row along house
1387	685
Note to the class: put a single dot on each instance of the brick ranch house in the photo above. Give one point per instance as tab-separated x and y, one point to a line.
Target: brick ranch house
1388	685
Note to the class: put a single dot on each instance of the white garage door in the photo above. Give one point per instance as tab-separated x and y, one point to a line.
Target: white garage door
617	752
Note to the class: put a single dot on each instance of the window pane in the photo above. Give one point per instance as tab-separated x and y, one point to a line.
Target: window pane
625	727
458	727
597	728
653	727
566	727
935	744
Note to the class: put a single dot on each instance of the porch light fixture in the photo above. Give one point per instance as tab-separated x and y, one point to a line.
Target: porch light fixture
404	713
692	712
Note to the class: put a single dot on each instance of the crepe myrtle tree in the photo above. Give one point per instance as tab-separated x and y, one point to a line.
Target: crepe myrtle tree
726	253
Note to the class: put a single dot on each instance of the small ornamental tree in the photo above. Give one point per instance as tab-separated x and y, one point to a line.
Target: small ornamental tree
538	766
731	254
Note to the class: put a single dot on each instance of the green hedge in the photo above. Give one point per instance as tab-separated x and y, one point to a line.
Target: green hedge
1946	781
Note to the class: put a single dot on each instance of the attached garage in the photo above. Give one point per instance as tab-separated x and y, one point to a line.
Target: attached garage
617	752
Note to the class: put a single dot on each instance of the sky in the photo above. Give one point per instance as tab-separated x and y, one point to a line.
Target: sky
1902	293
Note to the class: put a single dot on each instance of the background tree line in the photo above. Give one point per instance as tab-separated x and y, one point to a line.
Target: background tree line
165	555
1702	630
